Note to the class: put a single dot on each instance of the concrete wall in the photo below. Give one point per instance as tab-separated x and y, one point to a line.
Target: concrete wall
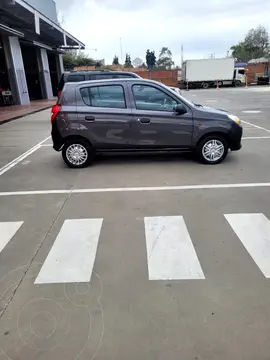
45	7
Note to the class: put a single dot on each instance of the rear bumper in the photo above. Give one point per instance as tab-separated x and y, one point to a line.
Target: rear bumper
57	139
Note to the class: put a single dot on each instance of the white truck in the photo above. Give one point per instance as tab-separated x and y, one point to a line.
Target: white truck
208	72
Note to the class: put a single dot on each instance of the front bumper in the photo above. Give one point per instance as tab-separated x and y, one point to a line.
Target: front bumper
235	136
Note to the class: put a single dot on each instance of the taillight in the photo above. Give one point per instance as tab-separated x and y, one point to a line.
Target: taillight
59	93
55	110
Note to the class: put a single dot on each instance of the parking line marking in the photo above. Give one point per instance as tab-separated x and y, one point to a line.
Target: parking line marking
256	126
20	158
170	252
254	232
71	258
251	111
7	231
255	137
47	145
134	189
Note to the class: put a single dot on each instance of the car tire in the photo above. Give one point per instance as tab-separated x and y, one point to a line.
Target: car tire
220	149
78	153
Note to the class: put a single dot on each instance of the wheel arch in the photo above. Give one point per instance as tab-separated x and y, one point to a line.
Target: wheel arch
76	137
219	133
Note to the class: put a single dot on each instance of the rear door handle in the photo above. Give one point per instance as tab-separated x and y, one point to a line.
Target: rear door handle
90	118
144	120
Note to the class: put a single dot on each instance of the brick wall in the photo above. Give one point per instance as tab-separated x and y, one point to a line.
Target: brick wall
254	71
167	77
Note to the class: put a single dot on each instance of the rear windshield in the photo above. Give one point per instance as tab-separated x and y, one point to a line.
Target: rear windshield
61	83
101	76
111	76
75	78
122	76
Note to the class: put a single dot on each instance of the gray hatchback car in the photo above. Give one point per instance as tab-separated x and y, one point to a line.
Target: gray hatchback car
137	115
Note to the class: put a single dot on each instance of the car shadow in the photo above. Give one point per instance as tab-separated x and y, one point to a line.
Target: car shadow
143	158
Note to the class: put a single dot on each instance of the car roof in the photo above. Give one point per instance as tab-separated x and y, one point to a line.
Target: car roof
139	79
97	72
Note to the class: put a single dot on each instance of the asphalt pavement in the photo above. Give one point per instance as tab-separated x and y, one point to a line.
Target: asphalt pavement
137	257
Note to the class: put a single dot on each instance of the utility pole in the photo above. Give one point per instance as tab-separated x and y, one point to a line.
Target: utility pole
121	51
182	55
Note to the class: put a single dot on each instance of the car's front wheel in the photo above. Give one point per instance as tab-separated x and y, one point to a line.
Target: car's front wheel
213	149
77	153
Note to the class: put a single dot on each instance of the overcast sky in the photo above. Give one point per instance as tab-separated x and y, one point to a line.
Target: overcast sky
203	26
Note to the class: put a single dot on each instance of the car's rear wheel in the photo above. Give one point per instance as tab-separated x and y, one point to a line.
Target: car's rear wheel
213	149
77	153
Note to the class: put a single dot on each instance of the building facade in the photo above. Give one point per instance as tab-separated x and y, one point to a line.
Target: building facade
45	7
31	48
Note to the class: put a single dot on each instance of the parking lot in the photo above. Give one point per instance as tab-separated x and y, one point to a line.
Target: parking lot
137	257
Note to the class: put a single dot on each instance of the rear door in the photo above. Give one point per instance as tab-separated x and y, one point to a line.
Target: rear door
104	114
154	122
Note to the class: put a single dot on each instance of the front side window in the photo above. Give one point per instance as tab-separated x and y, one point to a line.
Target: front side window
110	96
147	97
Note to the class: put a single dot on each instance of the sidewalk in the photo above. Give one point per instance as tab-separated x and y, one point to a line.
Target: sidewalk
13	112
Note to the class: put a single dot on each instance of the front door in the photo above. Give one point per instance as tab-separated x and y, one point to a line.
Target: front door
104	116
155	123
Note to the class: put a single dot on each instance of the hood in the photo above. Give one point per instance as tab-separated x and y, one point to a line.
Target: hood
211	110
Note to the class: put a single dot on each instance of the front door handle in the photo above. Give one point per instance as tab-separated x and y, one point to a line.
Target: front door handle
144	120
90	118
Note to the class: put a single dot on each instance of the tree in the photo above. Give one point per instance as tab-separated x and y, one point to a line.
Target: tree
150	59
137	62
165	58
73	58
257	42
69	59
240	53
128	63
84	60
115	60
255	45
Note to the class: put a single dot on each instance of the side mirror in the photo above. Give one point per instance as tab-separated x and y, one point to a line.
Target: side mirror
180	109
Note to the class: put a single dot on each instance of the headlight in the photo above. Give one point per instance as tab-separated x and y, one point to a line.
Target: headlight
234	118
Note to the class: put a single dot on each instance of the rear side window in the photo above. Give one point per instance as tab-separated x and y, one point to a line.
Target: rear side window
110	96
75	78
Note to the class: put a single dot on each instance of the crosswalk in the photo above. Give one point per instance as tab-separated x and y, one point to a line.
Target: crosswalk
171	254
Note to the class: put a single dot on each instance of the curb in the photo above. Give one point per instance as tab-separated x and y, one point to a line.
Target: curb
2	122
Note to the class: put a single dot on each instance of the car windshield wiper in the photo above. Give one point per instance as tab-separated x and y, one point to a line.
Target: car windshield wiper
198	105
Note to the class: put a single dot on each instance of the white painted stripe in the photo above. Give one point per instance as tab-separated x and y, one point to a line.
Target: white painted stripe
7	231
73	253
47	145
135	189
251	111
256	126
170	252
254	232
255	137
211	101
20	158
